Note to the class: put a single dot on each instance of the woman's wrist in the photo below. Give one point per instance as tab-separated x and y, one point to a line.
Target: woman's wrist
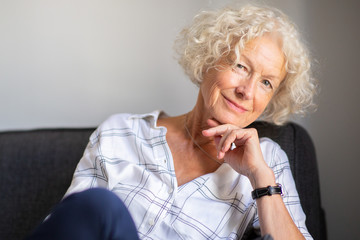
262	178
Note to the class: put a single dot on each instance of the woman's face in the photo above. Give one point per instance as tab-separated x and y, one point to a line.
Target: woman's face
239	95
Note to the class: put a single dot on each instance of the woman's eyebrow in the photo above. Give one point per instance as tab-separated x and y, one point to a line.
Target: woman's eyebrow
246	60
270	76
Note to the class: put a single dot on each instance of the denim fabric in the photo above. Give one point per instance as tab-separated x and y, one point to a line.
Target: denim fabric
94	214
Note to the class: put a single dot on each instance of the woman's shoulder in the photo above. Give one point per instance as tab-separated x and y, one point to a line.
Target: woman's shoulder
127	120
268	143
272	151
126	124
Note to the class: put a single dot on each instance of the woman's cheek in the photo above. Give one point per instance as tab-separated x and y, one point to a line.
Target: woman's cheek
214	95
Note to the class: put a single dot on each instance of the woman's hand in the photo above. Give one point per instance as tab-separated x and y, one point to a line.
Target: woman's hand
246	158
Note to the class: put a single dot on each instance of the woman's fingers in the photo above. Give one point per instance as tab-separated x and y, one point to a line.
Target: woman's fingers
217	130
247	156
225	135
227	139
239	137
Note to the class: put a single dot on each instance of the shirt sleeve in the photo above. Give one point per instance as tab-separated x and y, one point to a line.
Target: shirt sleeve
278	161
91	169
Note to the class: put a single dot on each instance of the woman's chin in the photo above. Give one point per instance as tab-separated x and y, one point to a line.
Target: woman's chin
231	119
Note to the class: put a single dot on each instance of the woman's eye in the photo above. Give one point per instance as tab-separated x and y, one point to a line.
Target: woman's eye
241	66
267	83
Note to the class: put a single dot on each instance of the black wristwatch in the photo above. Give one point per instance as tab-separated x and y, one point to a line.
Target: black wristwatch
266	191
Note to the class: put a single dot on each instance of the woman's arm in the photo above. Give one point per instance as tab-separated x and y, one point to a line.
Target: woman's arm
90	172
274	217
247	159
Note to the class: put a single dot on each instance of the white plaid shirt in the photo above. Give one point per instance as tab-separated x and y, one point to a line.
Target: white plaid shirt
128	154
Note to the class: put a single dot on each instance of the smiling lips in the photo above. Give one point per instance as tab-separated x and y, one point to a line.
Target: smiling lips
235	106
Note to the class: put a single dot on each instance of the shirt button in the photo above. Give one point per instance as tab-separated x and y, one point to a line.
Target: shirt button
164	160
170	191
151	221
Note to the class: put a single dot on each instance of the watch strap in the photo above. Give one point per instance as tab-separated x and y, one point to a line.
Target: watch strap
266	191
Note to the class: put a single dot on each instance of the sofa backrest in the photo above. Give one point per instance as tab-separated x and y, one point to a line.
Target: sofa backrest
36	170
37	167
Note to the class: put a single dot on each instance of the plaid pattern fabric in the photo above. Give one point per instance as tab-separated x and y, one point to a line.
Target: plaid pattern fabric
129	155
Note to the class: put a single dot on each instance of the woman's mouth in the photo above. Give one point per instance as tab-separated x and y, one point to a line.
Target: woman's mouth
233	105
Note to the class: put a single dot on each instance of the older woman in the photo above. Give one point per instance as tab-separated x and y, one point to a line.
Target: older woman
204	175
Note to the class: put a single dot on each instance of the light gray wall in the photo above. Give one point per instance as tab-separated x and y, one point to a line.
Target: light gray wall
335	36
75	62
70	63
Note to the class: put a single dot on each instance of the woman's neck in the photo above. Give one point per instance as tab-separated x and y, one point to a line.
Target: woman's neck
196	121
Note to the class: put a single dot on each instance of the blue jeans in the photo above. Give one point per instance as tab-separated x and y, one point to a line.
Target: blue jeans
89	215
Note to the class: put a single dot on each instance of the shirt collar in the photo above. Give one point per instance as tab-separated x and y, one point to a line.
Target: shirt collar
152	117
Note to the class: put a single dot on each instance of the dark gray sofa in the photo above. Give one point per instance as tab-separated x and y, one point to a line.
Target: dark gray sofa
36	168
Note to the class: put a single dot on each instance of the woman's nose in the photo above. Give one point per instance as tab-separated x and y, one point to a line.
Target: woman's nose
246	88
